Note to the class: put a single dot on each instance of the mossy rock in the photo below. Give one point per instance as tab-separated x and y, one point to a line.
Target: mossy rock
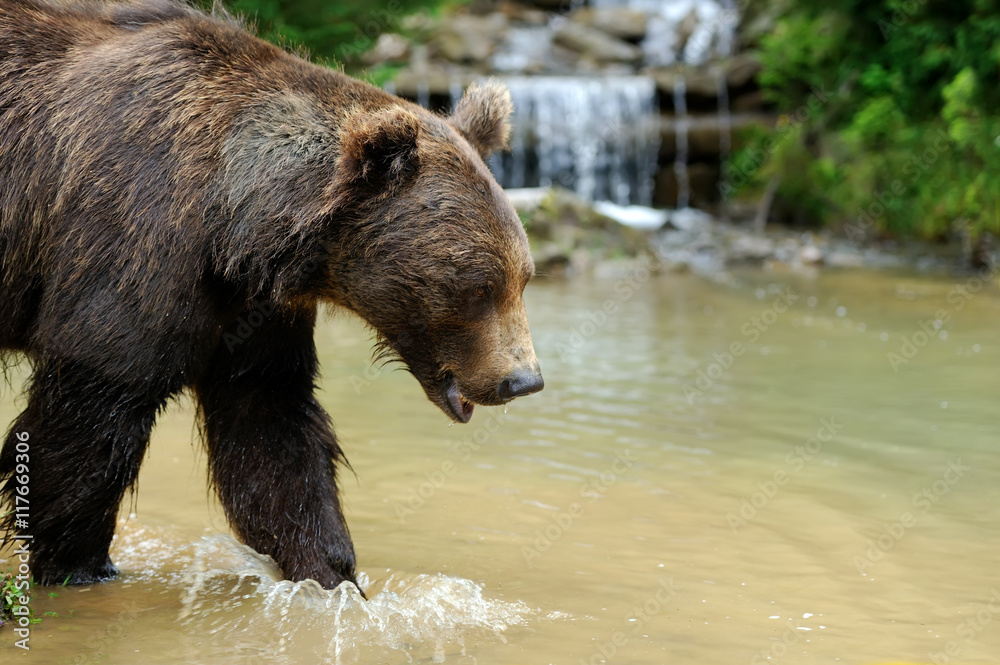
564	227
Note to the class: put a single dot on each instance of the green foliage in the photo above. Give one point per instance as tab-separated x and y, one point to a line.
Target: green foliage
332	31
910	130
10	596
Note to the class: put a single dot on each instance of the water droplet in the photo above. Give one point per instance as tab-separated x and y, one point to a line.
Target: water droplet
944	405
841	311
975	348
505	409
884	337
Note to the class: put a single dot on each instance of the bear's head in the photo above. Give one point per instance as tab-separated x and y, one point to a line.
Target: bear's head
434	256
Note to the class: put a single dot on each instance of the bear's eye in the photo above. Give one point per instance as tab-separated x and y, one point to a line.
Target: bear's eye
483	290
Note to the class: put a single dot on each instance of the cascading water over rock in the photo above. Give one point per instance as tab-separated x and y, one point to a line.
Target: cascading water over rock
596	136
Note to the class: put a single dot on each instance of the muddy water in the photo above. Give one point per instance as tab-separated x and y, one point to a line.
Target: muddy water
712	476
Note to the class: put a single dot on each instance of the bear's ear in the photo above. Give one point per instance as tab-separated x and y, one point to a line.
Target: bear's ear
377	150
483	117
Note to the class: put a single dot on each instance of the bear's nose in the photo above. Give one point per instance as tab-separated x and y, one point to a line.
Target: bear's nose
520	382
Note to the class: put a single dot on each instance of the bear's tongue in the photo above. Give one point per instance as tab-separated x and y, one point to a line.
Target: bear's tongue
459	405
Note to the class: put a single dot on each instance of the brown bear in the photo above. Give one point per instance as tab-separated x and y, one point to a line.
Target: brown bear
176	198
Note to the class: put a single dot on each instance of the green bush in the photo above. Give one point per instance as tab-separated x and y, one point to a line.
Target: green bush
909	135
334	32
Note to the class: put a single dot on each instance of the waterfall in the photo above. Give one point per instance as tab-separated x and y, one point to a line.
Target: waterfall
725	119
690	31
725	131
598	136
681	134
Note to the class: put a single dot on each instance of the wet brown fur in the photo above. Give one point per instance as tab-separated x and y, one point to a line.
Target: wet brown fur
164	175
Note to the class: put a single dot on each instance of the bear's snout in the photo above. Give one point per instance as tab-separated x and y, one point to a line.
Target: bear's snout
520	382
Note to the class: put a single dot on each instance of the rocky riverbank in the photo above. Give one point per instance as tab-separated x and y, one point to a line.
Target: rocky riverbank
572	237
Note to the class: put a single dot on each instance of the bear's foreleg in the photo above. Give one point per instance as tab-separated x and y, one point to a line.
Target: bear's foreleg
272	450
67	462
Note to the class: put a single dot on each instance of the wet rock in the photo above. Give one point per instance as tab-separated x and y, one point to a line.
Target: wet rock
620	22
751	101
702	181
550	5
596	44
698	82
665	188
523	14
389	48
742	69
468	39
525	49
747	248
704	133
528	199
568	235
438	80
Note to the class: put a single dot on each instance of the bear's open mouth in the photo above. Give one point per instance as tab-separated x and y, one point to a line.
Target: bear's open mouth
461	408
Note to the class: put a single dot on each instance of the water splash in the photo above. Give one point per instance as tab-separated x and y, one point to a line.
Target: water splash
598	136
238	597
